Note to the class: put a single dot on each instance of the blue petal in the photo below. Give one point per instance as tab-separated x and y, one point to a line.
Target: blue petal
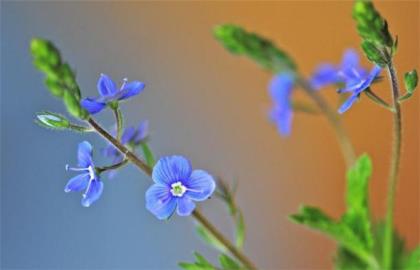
171	168
106	86
142	131
84	154
94	192
280	88
324	75
92	106
200	186
130	89
185	206
282	117
110	151
350	59
160	202
128	135
349	102
77	183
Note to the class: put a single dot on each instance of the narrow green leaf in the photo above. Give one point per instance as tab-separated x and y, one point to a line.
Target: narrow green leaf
228	263
240	230
314	218
201	263
208	238
148	154
52	120
241	42
357	215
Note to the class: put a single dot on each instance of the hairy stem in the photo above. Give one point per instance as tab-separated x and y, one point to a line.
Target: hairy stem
196	214
394	169
342	137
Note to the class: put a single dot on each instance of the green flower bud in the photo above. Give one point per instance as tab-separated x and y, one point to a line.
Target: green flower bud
373	53
410	81
73	106
52	120
44	53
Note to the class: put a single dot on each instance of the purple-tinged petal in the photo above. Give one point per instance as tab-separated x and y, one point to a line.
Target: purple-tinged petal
128	135
160	202
110	151
171	168
280	88
185	206
92	106
324	75
200	186
77	183
95	191
84	154
106	86
130	89
350	59
142	132
348	103
282	118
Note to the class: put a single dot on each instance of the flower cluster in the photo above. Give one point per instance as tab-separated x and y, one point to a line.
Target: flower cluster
349	74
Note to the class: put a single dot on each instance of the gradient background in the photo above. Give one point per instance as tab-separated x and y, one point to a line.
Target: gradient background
203	103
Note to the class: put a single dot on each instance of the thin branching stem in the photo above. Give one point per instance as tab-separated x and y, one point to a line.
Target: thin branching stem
198	216
394	168
342	137
377	99
112	167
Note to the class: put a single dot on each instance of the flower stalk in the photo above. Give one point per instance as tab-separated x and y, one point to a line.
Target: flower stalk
198	216
394	169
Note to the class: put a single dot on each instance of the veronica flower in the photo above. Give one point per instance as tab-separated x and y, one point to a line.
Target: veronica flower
108	93
87	181
132	136
281	113
177	186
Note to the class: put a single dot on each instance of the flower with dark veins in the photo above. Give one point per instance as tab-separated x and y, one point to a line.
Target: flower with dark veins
87	181
176	187
109	93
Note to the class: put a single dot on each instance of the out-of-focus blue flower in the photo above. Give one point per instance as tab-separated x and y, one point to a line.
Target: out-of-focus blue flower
177	186
108	92
281	113
357	86
131	136
87	181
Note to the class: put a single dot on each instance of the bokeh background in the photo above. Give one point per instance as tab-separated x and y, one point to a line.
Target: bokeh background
203	103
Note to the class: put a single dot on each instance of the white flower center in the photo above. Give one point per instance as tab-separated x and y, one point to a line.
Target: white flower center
178	189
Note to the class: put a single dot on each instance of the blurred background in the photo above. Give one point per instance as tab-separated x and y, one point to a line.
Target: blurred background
202	103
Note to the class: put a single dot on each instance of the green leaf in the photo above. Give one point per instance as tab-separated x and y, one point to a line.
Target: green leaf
314	218
148	154
410	81
228	263
374	54
411	260
241	42
60	78
370	25
357	215
52	120
208	238
200	264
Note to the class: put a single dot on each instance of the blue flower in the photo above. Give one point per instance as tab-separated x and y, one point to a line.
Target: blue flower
281	113
177	186
131	136
87	181
108	92
356	85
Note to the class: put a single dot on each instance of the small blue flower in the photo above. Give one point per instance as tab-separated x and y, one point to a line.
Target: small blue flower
132	136
177	186
281	113
108	92
357	85
87	181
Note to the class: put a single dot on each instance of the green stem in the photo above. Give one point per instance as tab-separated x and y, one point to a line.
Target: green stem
342	137
394	169
196	214
378	100
119	119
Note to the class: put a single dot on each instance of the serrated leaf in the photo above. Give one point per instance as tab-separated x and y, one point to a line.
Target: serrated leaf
314	218
227	263
241	42
208	238
357	215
